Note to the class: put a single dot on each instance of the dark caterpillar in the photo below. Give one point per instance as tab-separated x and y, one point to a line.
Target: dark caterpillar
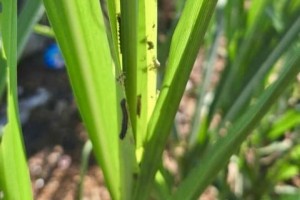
124	120
138	105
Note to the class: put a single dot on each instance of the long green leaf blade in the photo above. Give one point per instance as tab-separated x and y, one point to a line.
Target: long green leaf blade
147	67
26	20
16	176
128	40
81	33
28	17
114	14
184	48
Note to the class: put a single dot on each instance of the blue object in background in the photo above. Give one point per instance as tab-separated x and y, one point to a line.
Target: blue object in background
53	58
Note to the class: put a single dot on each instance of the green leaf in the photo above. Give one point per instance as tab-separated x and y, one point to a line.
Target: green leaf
285	172
288	120
81	33
184	48
295	153
147	65
295	194
129	40
44	30
2	75
85	155
13	162
114	14
30	14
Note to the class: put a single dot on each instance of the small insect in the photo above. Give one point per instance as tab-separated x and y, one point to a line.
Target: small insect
124	120
138	105
150	45
156	64
121	78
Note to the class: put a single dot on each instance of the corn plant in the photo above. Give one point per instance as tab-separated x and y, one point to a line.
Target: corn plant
110	51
